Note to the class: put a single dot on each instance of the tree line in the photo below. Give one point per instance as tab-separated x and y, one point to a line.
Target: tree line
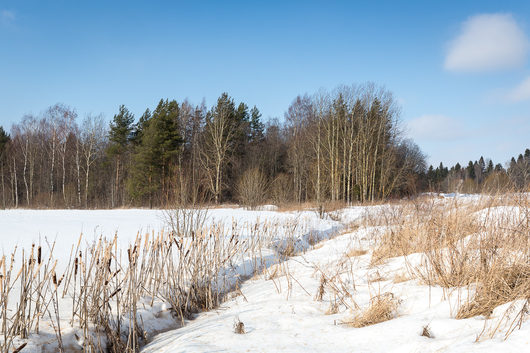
480	176
342	145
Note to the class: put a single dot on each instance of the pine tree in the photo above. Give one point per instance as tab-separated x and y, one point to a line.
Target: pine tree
482	164
257	128
471	170
121	129
157	153
139	127
489	169
4	139
120	135
499	168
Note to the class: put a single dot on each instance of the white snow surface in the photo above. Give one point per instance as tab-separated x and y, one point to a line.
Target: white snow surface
279	308
283	315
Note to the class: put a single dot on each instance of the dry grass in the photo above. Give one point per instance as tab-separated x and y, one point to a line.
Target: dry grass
401	277
105	286
356	252
426	332
239	327
296	206
376	277
420	227
473	245
498	286
382	308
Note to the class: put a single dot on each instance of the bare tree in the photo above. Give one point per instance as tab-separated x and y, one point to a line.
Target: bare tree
251	188
92	143
219	132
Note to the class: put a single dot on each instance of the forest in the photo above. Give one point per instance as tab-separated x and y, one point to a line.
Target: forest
345	145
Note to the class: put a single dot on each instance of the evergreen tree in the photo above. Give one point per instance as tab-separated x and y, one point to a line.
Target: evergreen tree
140	126
121	128
499	168
159	147
4	139
482	164
489	169
242	134
120	134
431	176
470	170
257	128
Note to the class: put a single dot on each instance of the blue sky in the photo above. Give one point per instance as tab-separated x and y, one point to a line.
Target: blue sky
460	70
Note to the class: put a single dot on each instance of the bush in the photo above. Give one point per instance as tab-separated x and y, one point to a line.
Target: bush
251	188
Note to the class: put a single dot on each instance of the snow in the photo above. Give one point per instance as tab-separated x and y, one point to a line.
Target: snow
279	306
283	315
24	228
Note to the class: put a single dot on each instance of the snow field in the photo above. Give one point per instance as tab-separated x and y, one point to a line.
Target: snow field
236	243
297	284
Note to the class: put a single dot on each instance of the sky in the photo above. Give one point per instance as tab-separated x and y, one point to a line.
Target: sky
460	70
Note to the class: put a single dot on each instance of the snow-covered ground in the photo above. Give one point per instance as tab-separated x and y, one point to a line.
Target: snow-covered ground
285	307
283	315
21	229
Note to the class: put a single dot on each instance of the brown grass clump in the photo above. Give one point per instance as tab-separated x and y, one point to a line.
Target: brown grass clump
400	278
239	327
479	244
295	206
382	308
356	252
420	227
493	261
426	332
499	286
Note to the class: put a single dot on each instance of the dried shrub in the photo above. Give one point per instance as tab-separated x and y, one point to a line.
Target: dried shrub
426	332
382	308
252	187
239	327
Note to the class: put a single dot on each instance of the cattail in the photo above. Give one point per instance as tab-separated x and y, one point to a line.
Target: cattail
60	280
39	253
115	292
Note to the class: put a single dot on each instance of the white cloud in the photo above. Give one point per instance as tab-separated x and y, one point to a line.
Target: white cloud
488	42
435	127
7	17
521	92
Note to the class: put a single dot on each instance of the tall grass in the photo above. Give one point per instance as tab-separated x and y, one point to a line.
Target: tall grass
95	300
481	246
